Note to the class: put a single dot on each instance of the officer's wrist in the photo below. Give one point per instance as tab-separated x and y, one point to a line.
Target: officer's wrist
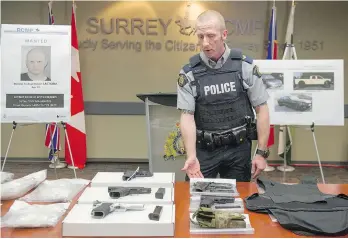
262	147
191	156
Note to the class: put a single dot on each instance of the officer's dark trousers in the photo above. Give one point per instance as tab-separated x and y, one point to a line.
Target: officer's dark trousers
233	162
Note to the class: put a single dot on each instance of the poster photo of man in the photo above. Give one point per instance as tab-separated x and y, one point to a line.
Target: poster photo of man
36	63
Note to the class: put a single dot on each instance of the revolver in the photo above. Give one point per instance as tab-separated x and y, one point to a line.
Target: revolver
129	175
102	209
117	192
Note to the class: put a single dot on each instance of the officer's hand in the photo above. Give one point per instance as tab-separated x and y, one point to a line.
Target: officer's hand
192	168
258	165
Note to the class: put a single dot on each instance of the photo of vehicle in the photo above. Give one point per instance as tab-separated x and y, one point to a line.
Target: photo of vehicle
293	103
273	81
313	81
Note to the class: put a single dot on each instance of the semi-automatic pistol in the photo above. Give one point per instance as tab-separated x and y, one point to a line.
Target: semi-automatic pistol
102	209
117	192
129	175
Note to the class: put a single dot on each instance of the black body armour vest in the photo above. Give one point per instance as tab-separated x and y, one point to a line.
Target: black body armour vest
302	208
221	103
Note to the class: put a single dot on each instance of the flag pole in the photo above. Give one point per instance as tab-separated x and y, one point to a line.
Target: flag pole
75	129
64	124
55	162
289	54
271	55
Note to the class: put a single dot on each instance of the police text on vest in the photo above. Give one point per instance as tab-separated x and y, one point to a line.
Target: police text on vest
219	89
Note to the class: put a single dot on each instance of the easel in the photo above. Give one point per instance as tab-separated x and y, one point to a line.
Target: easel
291	51
289	54
55	163
14	126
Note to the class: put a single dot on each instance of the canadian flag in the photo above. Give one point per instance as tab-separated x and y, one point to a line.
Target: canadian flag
76	128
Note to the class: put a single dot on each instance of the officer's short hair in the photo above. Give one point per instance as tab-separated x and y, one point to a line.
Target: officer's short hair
211	14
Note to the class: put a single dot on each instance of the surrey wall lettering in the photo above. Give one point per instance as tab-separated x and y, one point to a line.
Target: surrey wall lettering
112	31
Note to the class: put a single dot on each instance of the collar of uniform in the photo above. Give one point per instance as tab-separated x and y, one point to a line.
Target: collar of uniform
220	62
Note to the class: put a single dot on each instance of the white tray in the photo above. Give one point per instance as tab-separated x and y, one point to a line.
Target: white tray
195	229
105	179
79	223
216	180
101	194
195	201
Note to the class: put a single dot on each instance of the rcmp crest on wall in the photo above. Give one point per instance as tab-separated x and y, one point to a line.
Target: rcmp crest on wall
174	145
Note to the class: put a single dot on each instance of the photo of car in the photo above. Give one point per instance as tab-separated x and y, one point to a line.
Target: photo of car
294	103
273	80
313	81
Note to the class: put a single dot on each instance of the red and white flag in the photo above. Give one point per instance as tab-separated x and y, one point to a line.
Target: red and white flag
76	128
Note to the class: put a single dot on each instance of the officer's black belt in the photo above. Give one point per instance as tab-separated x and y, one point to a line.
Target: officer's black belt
211	140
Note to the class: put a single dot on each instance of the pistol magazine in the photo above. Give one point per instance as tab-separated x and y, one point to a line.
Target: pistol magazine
160	193
156	214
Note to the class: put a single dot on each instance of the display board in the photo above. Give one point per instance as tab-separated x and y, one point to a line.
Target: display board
303	92
36	73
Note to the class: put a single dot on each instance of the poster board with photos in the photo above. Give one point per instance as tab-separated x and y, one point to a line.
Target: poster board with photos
303	92
36	73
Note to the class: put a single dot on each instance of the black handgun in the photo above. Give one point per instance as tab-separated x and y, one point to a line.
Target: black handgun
209	200
117	192
213	187
129	175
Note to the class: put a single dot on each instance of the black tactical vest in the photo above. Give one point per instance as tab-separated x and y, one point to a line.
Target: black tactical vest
301	208
221	102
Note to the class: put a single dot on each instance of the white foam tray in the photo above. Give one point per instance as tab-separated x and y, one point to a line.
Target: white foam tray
79	223
101	194
195	201
217	180
105	179
195	229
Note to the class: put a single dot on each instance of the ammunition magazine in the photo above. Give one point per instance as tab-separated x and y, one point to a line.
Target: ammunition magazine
160	193
156	214
117	192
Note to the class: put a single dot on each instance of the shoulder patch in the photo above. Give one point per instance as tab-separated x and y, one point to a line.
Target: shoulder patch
187	68
256	71
247	59
182	80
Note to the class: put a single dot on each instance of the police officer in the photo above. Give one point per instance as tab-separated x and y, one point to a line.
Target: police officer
218	92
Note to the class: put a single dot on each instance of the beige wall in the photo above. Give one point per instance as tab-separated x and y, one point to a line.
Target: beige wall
118	75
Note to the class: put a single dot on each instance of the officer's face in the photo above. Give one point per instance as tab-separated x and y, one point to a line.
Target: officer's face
36	62
211	39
